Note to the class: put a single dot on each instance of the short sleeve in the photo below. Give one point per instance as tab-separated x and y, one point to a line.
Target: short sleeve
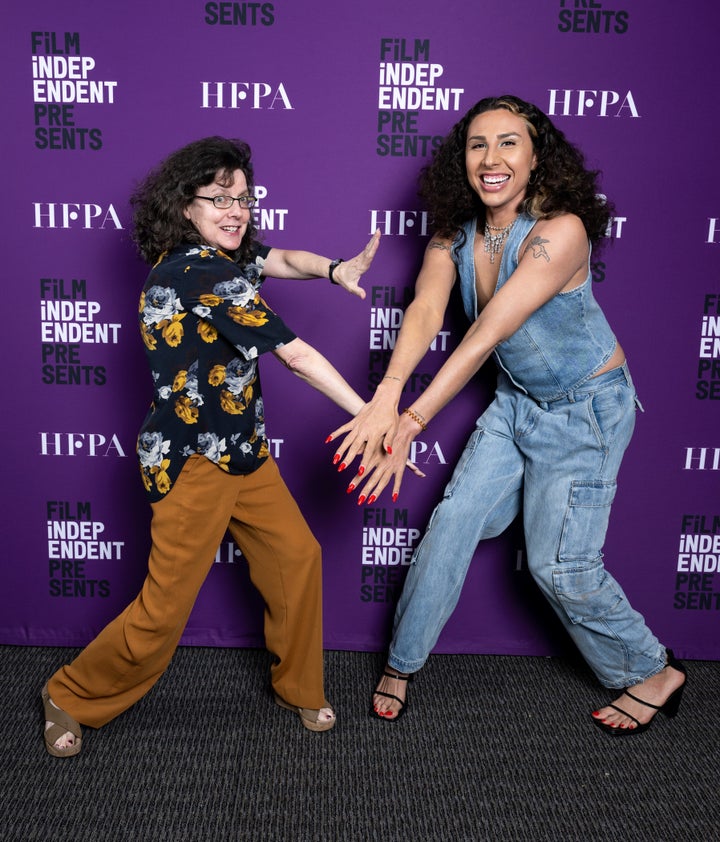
225	296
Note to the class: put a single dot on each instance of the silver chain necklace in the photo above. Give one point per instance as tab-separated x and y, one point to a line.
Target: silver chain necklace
495	242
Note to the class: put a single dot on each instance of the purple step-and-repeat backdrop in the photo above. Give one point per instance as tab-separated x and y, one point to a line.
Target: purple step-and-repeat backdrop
342	104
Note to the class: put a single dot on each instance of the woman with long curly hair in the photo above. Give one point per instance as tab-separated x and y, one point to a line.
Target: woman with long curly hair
516	214
204	457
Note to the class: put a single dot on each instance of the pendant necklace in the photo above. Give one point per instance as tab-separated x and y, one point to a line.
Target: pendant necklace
494	242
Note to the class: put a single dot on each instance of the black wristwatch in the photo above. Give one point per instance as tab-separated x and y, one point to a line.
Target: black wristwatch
333	266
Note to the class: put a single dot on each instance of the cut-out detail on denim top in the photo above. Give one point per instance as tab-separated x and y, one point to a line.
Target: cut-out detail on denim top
561	345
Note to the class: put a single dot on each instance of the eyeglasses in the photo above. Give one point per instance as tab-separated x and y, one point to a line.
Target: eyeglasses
225	202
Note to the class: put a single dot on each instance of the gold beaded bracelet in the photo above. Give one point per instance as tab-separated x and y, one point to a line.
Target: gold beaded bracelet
415	417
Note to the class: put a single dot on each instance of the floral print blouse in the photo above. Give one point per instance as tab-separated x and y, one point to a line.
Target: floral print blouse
204	326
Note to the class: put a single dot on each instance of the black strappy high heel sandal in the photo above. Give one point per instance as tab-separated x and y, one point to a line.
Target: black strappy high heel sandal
670	708
403	703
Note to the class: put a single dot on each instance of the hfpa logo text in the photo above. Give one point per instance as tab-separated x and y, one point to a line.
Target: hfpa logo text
569	102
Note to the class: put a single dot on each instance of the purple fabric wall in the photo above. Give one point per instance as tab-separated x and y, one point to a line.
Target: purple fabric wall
342	104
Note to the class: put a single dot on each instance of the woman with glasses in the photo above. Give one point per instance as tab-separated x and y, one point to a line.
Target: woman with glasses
202	448
516	214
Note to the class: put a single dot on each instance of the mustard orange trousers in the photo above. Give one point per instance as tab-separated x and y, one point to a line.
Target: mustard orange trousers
131	653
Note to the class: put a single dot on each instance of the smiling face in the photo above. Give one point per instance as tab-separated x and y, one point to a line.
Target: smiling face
222	229
499	158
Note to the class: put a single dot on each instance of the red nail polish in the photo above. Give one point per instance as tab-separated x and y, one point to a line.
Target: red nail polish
336	458
342	467
394	497
361	470
350	488
361	499
329	438
371	499
389	450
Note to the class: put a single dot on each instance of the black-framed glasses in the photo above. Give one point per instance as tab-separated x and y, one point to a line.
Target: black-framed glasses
225	202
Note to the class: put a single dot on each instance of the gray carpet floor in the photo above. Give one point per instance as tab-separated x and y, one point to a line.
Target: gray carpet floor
492	748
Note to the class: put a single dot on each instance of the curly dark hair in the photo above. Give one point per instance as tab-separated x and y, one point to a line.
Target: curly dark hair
159	201
560	183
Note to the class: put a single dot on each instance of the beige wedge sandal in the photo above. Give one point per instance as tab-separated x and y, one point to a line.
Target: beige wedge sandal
62	722
308	716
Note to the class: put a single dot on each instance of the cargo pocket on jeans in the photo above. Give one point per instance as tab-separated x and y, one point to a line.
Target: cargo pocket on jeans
586	520
585	593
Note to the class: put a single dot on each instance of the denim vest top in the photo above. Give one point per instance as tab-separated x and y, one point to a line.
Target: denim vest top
561	345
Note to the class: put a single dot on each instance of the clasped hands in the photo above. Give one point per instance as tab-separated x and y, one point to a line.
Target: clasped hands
382	439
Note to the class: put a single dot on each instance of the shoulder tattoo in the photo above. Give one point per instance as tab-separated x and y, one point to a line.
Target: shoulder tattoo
436	244
537	245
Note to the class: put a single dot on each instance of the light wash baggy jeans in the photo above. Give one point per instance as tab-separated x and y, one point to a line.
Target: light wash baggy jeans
557	461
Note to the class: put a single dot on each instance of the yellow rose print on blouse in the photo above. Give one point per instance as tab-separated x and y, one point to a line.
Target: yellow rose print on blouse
205	327
187	405
179	381
249	318
174	332
240	375
148	338
186	411
217	375
153	462
162	480
161	309
208	332
230	404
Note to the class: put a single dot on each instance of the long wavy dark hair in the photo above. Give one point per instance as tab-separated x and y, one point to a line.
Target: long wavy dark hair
560	183
159	201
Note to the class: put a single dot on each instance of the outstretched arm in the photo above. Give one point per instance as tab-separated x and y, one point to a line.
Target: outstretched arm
316	370
561	266
374	427
302	265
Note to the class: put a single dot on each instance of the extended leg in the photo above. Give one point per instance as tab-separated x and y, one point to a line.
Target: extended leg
129	655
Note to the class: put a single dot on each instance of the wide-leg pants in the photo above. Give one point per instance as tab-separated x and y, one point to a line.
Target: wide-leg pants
558	462
126	659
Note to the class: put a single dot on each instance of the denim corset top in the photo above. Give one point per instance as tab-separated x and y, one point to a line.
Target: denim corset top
561	345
